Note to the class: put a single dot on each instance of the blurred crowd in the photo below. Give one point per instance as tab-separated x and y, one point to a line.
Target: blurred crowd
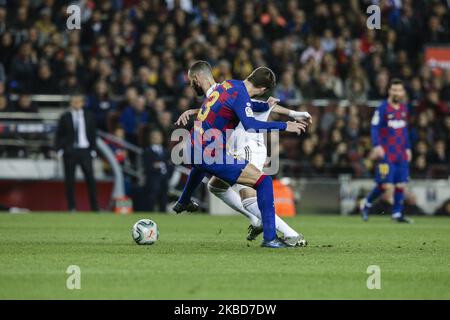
130	59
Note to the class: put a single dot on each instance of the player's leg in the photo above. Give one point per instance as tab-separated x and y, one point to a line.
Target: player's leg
184	202
383	180
242	172
224	192
400	179
399	197
253	177
249	200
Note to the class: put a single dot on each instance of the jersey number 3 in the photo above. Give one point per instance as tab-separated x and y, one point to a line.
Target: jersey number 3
203	113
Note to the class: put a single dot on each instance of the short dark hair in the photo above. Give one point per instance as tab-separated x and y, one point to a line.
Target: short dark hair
200	66
394	82
262	77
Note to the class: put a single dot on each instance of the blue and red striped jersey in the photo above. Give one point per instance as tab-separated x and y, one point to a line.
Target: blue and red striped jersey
390	130
227	105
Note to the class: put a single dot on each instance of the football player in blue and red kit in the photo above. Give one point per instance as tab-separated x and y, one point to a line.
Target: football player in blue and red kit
391	147
228	104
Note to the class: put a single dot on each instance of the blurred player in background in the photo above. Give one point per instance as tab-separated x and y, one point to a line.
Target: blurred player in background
251	146
392	149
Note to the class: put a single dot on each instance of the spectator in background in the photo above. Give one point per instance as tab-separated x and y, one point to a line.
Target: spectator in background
286	90
380	90
156	161
44	25
314	51
439	155
445	91
434	103
356	86
23	67
3	104
420	166
25	104
120	152
305	84
101	104
133	117
45	82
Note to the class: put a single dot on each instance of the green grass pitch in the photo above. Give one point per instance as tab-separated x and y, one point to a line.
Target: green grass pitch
207	257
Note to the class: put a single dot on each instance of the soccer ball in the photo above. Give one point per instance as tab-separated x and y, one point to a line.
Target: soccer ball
145	231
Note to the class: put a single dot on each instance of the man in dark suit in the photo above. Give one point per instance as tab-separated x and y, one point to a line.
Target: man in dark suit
75	140
157	172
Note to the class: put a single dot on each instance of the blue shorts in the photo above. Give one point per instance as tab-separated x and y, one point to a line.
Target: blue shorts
228	170
388	172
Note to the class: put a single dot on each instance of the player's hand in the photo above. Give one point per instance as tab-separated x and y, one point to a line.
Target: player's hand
184	118
377	153
408	155
301	116
296	127
272	101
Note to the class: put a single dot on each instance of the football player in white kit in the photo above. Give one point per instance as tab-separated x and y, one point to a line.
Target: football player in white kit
252	147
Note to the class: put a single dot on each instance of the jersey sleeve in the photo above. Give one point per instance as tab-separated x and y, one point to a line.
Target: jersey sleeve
260	106
377	120
242	106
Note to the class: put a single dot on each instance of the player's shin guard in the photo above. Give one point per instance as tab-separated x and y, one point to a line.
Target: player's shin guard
264	191
373	195
195	178
399	197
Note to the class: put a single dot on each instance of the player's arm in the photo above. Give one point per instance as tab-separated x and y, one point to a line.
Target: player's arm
242	106
377	120
296	115
185	116
273	103
260	106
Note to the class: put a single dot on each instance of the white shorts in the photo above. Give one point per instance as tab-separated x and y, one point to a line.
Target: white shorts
256	155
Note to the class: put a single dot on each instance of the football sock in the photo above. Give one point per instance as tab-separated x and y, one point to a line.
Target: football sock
251	204
264	192
373	195
195	178
397	208
233	200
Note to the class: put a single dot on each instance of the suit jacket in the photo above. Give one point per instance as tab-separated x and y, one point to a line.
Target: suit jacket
150	158
65	132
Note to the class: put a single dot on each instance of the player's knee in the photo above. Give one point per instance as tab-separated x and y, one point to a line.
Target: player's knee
216	186
400	187
247	193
